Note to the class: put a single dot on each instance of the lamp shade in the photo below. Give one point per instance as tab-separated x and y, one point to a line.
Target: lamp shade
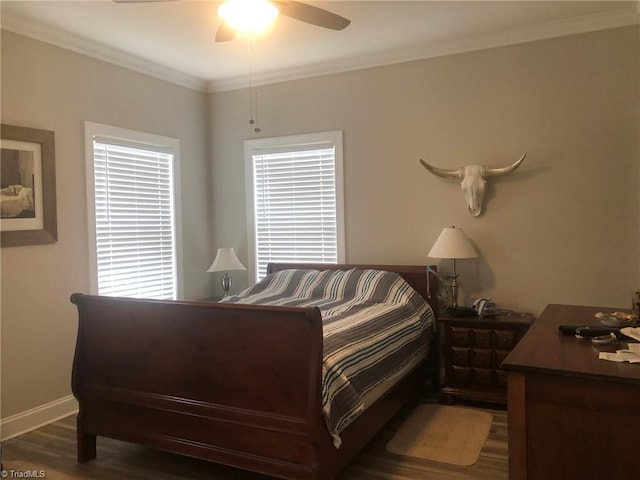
452	243
226	260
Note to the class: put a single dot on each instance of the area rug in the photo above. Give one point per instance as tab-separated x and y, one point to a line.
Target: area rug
452	435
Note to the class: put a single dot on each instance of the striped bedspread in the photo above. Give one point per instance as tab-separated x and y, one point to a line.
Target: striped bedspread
374	325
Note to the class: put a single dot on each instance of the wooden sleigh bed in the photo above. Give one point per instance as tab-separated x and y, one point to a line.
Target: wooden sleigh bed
234	384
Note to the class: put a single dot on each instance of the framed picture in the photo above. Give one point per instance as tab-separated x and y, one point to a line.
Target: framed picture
27	187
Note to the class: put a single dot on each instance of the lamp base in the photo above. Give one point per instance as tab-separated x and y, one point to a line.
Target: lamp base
226	283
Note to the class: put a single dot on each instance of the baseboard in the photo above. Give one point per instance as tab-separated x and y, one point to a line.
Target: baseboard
37	417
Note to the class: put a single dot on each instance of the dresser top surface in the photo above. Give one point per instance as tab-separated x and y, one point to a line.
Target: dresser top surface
544	350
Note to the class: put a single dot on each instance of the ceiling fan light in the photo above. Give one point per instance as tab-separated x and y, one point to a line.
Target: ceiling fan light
250	16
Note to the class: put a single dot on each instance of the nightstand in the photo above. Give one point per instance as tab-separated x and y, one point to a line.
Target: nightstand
473	349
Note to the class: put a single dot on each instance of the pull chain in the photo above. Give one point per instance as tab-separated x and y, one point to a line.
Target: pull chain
253	94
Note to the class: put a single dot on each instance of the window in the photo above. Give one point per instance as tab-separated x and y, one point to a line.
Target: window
132	180
294	198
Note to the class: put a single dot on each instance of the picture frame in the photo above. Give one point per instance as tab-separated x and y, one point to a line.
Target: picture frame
28	187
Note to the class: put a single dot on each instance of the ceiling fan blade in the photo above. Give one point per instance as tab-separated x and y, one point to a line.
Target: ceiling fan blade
225	32
310	14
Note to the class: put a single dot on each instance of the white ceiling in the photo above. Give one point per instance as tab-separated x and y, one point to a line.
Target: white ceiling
174	40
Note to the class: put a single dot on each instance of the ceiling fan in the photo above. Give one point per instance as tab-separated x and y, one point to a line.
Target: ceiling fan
299	11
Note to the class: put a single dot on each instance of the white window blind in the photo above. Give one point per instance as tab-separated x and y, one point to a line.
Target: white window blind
297	209
134	220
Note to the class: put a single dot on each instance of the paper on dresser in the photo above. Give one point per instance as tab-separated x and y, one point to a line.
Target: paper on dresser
633	332
621	356
634	347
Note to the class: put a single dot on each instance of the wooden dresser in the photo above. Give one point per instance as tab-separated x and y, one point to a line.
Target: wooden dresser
571	415
473	349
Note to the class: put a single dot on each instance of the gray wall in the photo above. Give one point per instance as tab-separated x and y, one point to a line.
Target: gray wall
563	228
50	88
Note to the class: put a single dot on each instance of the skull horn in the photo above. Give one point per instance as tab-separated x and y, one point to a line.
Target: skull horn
492	172
441	172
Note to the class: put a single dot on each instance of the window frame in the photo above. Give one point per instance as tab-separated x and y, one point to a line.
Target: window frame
133	138
292	142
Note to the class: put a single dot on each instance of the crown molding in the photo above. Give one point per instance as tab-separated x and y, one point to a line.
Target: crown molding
587	23
98	51
621	17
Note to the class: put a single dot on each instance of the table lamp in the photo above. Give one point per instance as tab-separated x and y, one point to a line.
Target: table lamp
226	261
453	244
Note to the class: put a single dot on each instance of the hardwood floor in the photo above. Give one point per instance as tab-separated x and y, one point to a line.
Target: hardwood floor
52	451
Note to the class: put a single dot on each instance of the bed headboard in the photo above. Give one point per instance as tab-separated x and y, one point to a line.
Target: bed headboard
415	275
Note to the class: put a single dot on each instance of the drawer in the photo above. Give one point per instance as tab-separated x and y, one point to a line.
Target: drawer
483	358
505	339
482	337
501	378
461	356
461	375
483	376
500	355
459	336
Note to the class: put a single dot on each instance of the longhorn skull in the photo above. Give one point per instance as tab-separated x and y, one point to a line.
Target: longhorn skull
473	180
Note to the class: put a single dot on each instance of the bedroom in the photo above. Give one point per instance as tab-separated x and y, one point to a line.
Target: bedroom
565	228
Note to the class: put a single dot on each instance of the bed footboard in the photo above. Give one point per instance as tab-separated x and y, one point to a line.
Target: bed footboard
234	384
